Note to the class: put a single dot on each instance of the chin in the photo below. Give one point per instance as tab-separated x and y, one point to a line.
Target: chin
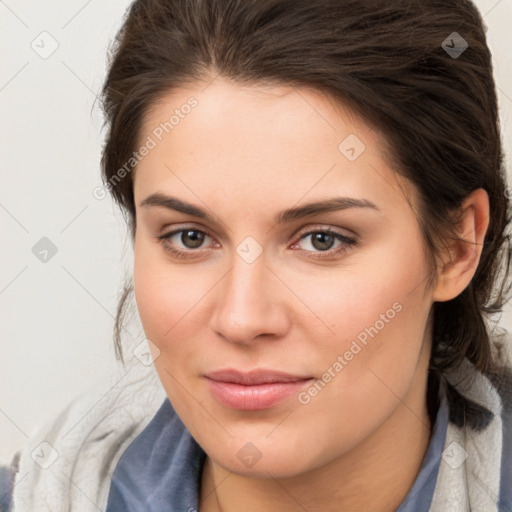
259	460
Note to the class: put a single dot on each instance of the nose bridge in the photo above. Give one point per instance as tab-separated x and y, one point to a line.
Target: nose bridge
247	307
244	291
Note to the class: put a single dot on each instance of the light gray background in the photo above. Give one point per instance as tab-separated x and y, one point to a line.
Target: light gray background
57	317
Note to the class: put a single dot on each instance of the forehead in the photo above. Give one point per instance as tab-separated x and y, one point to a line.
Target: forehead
222	107
276	142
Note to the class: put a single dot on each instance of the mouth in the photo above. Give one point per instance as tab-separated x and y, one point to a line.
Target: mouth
255	390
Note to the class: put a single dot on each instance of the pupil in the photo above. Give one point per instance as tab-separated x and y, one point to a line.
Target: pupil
322	241
192	239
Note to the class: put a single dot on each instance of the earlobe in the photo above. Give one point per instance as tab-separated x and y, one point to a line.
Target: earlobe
462	256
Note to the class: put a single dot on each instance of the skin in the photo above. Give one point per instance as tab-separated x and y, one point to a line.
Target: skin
243	155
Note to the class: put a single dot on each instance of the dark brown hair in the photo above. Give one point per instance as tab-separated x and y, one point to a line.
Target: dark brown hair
390	62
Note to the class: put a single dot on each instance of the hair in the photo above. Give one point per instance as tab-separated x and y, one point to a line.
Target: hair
386	61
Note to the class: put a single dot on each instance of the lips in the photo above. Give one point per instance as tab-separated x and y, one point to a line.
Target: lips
254	377
255	390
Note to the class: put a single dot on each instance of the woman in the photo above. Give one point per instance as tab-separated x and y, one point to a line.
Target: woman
317	202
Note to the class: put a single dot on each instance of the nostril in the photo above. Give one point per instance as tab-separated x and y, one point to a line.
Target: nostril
244	339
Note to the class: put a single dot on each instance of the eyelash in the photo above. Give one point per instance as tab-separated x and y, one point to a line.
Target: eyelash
347	243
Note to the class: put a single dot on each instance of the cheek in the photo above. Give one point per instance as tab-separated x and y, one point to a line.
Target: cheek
351	300
371	360
160	295
377	320
380	330
172	302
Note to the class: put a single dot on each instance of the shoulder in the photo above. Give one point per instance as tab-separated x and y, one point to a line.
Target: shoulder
67	463
501	376
7	477
474	398
161	465
480	414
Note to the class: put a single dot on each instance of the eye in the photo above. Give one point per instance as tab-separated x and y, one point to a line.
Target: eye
324	242
183	242
190	238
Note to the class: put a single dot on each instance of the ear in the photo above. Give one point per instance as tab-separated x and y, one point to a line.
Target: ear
461	257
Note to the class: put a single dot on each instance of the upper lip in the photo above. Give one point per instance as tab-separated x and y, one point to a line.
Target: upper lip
258	376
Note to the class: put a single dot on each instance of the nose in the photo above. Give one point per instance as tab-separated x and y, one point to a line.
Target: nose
250	304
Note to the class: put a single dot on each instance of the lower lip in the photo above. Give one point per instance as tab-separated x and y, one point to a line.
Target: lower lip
254	397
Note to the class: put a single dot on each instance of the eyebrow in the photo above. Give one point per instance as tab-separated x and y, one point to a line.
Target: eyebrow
288	215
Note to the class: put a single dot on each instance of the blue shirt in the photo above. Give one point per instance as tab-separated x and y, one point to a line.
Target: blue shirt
162	468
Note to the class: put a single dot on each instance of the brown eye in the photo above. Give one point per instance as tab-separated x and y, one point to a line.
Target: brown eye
324	244
322	241
191	238
185	240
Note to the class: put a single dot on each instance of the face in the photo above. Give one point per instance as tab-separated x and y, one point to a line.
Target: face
280	274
